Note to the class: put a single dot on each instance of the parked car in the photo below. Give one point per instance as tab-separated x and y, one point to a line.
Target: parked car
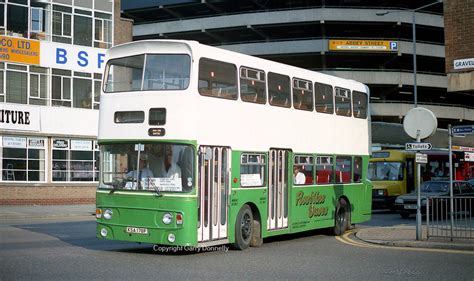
471	181
406	204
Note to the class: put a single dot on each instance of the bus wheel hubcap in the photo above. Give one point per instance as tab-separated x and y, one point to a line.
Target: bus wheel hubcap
246	226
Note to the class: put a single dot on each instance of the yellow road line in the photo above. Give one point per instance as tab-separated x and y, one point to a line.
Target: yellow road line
349	241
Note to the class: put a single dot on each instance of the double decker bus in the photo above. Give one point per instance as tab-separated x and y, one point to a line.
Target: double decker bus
201	146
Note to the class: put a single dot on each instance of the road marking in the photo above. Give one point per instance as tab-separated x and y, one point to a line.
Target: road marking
346	239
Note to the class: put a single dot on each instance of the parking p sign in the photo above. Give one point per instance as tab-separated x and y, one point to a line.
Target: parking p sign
394	45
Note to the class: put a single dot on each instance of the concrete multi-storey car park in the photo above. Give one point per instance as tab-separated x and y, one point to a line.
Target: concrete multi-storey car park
300	33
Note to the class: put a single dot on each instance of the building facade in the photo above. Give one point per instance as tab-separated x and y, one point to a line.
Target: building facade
52	57
369	41
460	47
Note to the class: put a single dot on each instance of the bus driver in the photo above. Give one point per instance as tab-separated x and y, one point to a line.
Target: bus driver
143	171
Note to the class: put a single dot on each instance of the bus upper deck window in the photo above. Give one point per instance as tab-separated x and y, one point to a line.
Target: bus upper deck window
359	104
343	102
323	98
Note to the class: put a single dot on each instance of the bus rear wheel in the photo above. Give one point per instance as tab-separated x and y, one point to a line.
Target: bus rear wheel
342	217
243	228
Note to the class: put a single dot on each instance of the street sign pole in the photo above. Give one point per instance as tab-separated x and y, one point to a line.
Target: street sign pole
418	194
451	179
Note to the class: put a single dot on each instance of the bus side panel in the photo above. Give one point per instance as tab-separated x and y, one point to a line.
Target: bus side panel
312	207
146	210
255	197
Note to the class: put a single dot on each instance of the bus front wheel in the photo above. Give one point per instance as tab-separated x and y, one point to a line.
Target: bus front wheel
342	217
243	228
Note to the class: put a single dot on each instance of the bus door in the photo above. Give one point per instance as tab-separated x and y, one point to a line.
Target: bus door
277	189
213	192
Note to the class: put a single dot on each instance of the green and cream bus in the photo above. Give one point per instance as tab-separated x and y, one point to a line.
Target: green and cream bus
202	146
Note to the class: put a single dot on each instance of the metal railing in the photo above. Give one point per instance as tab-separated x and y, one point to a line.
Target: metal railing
440	223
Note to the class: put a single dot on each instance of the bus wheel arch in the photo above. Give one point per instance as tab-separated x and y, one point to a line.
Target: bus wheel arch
247	228
342	216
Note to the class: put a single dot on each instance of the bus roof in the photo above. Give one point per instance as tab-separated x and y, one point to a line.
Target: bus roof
197	50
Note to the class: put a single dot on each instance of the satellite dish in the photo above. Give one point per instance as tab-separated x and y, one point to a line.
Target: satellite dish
420	122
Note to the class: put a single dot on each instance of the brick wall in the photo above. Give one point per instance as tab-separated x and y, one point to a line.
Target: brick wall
22	194
123	28
458	31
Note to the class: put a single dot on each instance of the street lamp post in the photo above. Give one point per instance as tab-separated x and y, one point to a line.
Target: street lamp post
413	11
415	101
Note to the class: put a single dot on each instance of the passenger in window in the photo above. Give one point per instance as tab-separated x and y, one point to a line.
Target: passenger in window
170	169
298	176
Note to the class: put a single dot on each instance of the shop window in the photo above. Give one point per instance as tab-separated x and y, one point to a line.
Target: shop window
82	93
16	84
102	30
38	85
105	6
302	94
74	160
23	159
82	30
84	3
2	18
17	20
40	20
323	98
97	89
2	89
62	23
217	79
252	169
279	90
61	88
252	85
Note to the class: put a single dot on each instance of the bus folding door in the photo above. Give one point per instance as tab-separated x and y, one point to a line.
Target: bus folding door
213	192
278	190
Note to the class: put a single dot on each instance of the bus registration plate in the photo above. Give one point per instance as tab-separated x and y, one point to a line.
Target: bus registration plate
137	230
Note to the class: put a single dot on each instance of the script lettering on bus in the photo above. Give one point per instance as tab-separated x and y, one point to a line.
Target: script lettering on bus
311	201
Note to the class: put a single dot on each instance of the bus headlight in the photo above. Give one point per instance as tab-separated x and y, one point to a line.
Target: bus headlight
381	192
167	218
103	232
171	237
108	214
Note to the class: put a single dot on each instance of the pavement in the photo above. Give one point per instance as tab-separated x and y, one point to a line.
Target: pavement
394	236
405	236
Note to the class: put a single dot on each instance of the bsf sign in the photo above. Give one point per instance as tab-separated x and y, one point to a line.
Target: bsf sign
418	146
77	58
